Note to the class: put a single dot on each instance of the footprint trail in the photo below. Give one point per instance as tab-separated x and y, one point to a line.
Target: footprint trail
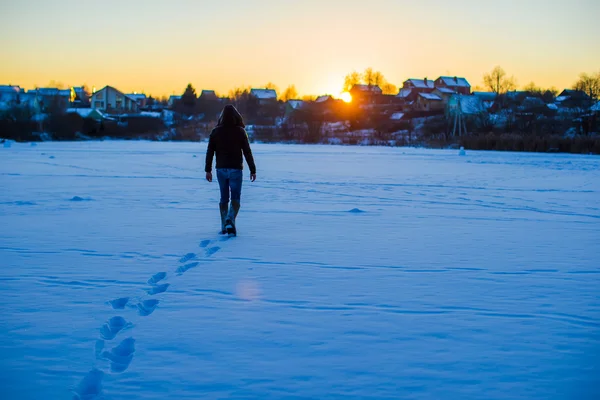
121	356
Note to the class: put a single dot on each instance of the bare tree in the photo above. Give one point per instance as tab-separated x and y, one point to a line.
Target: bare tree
388	88
369	77
497	81
352	79
289	93
589	84
533	88
378	79
272	86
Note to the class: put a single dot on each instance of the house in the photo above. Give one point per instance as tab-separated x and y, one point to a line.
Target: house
172	100
292	107
573	99
366	94
429	102
487	98
324	99
407	96
531	103
295	104
468	105
327	104
79	97
87	113
459	85
444	93
140	98
419	85
209	104
208	95
110	99
595	108
45	99
390	99
264	96
9	96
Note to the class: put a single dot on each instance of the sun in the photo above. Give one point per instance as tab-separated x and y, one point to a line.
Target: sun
346	97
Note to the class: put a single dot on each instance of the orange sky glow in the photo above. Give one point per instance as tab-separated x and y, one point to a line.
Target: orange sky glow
158	47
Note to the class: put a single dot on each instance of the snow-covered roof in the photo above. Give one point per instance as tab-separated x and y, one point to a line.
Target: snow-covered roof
488	96
560	99
404	93
137	96
454	81
552	106
430	96
84	112
367	88
322	99
397	116
446	90
208	94
264	94
421	83
471	104
9	89
174	97
596	107
51	92
296	104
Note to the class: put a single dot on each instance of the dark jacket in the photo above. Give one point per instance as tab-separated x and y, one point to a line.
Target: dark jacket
229	140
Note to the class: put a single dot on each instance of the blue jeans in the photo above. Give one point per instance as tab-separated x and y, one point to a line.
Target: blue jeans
230	179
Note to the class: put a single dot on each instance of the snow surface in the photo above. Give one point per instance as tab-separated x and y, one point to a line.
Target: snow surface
358	273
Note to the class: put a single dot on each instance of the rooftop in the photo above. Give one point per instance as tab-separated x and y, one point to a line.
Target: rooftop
367	88
421	83
430	96
454	81
264	94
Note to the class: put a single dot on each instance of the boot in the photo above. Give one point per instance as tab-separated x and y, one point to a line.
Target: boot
223	207
231	216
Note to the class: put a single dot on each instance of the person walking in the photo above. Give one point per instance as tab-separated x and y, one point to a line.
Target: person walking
229	141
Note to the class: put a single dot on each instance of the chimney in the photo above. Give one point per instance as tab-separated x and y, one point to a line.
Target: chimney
425	80
455	79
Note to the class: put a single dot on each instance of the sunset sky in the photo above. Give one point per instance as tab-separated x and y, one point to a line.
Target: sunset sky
159	46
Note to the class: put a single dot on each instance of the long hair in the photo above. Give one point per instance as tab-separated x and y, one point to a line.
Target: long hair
230	116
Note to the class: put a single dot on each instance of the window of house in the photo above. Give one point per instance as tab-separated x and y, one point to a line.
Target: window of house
100	96
119	102
99	104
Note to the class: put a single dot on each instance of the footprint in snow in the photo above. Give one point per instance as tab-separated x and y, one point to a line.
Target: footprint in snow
90	386
111	328
158	289
120	357
187	257
147	307
212	250
186	267
120	303
204	243
159	276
